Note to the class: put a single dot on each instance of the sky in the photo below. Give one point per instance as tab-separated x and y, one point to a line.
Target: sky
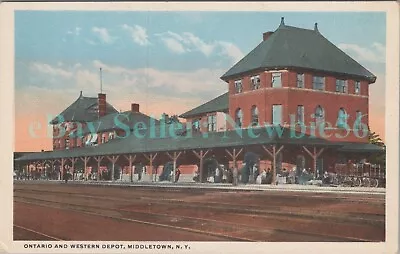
165	61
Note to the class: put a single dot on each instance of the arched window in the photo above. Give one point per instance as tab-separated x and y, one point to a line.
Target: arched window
239	118
357	123
342	118
319	115
254	115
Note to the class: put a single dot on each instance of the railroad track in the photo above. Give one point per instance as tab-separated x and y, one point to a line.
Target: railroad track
326	196
34	234
370	219
194	221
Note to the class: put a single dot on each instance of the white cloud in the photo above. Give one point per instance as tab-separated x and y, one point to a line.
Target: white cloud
77	65
75	31
48	69
138	34
373	54
188	42
231	50
103	34
174	45
205	48
156	90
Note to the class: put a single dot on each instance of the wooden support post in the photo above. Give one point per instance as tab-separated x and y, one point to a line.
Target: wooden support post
174	157
98	159
273	154
73	160
234	155
113	160
130	159
62	169
314	155
201	154
151	157
85	160
44	168
52	167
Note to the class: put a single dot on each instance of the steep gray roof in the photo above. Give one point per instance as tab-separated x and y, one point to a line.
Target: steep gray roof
298	48
218	104
83	110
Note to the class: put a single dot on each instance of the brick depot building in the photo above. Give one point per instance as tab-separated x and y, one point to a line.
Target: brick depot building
295	81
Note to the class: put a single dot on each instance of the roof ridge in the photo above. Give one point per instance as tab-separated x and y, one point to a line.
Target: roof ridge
295	27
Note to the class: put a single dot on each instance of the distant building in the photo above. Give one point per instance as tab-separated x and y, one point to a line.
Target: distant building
71	130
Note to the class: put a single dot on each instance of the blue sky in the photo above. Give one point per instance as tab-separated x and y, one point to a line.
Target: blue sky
44	34
166	61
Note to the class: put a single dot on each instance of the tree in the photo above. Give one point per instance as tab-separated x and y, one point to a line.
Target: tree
377	158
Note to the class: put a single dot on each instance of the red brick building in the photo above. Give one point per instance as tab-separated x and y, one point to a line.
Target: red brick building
295	76
295	81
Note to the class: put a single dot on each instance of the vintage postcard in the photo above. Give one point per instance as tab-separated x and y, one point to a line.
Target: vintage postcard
199	127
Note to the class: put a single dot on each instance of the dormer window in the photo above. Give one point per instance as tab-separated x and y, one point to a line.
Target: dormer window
319	83
357	87
238	86
341	86
276	79
255	82
300	80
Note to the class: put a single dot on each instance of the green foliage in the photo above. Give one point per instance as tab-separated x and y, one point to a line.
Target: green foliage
377	158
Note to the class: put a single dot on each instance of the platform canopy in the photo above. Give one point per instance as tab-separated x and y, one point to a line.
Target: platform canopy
148	140
362	148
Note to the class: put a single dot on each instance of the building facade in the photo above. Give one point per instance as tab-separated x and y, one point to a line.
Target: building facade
295	80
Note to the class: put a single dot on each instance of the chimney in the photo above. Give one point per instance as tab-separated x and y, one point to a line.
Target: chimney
316	27
135	107
266	35
102	104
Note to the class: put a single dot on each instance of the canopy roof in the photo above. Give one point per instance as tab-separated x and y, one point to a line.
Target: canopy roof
174	139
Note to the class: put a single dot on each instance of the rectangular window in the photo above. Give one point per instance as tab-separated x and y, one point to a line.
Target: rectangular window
341	86
345	87
318	83
276	79
300	80
238	86
358	120
212	123
357	87
255	82
196	124
277	114
300	114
